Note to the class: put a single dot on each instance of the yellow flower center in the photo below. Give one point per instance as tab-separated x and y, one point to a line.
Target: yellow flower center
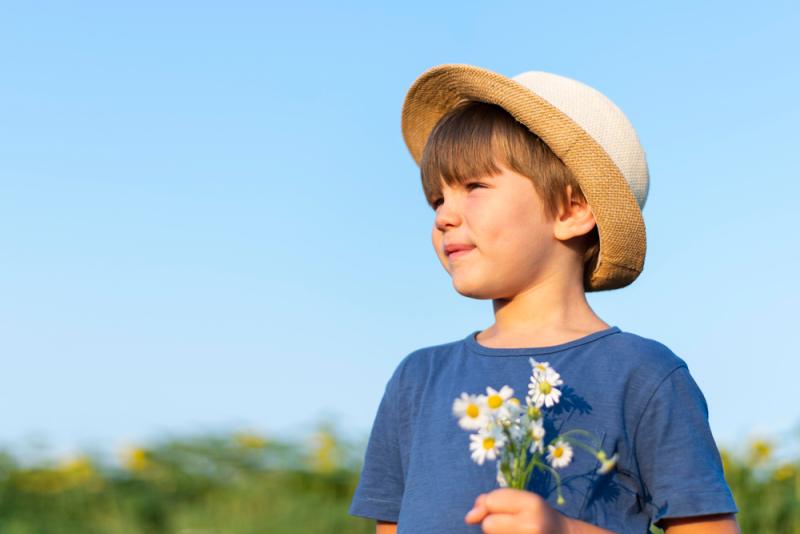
514	400
545	388
784	472
472	410
494	401
534	412
488	443
558	452
541	367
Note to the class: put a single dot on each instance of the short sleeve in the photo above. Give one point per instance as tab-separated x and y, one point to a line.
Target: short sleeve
381	484
679	463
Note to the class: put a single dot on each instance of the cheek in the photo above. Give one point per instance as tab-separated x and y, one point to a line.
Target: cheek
502	228
436	242
515	236
436	239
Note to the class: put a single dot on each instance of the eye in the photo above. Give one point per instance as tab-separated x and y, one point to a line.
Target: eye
435	204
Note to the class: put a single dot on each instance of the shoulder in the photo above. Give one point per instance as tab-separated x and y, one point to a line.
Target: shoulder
421	363
650	359
646	367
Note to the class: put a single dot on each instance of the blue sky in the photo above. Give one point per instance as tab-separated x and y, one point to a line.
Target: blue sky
211	222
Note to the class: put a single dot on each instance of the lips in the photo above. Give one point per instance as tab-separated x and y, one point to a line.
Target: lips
458	253
457	249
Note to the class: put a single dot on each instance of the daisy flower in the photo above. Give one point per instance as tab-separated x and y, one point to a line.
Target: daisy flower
486	444
511	421
543	369
542	389
540	367
513	409
517	431
537	434
471	411
497	401
534	412
560	454
606	464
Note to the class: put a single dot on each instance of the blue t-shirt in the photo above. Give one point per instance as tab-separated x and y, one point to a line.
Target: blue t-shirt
634	394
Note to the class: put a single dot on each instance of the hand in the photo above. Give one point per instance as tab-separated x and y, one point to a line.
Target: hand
510	511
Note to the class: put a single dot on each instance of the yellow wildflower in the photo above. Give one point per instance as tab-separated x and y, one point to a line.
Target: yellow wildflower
136	459
760	451
785	472
250	440
324	456
79	471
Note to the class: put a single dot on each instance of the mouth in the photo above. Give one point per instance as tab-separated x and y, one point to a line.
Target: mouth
459	253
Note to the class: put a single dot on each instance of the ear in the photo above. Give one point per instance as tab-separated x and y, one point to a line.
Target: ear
574	219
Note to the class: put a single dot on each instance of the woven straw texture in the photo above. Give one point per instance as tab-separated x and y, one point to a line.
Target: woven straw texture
582	127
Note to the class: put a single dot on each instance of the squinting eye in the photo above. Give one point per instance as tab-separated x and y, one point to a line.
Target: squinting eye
438	201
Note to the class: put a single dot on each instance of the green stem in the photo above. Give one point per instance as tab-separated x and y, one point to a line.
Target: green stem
578	431
528	470
506	473
521	457
510	441
558	479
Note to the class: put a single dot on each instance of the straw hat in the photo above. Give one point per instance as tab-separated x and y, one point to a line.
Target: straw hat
581	126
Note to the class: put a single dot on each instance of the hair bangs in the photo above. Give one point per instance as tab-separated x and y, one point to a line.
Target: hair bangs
462	146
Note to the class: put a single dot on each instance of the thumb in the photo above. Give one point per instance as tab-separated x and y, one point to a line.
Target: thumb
479	510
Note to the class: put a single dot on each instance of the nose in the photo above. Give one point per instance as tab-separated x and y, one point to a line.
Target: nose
447	214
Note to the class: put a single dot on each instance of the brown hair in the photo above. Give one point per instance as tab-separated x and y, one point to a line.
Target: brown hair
474	136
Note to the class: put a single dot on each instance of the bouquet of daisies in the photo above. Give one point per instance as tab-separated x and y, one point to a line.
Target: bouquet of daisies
516	433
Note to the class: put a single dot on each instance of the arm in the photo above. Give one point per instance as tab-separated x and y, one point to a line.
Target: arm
575	526
383	527
706	524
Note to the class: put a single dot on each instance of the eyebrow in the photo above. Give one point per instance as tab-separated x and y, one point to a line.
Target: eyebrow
484	177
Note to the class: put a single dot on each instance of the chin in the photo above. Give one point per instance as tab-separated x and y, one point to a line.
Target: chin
470	290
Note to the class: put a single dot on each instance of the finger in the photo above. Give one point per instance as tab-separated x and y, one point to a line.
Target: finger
501	524
474	516
478	511
510	501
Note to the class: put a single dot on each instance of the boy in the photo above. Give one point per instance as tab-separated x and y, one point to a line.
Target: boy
537	183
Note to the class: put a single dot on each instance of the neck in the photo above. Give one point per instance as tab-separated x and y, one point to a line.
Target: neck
552	311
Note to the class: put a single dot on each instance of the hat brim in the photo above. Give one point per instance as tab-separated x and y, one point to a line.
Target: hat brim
620	225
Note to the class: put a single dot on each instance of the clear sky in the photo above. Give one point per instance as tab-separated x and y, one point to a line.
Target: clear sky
209	219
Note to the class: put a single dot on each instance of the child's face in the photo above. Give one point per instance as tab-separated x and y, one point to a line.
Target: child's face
503	218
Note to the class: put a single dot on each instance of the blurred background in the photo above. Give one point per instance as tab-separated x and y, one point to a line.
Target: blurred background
216	250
